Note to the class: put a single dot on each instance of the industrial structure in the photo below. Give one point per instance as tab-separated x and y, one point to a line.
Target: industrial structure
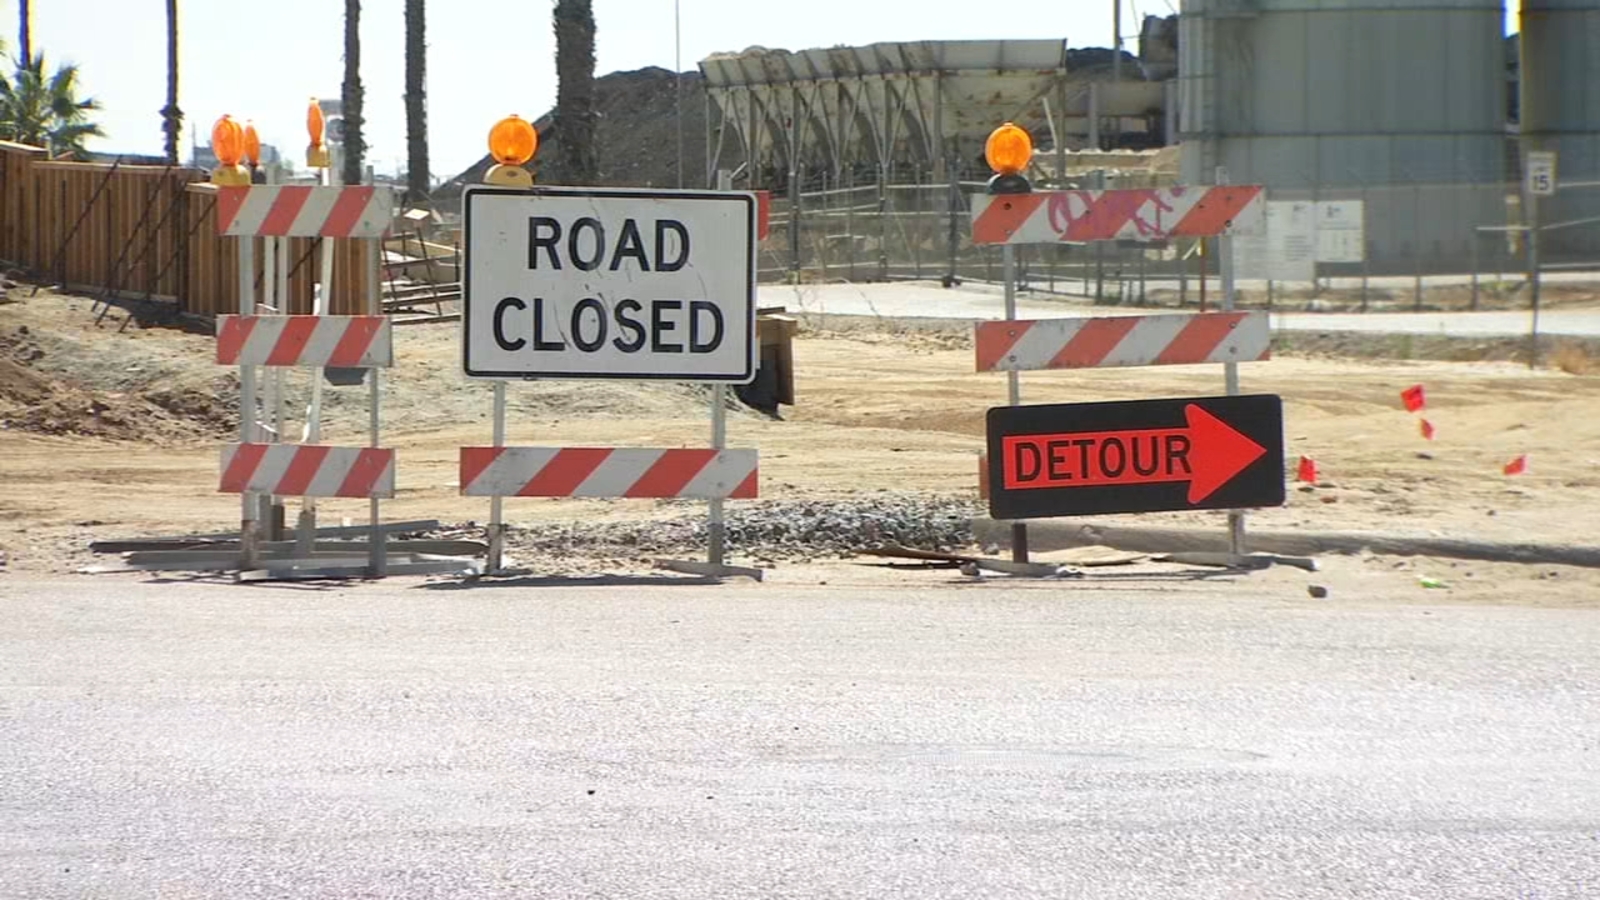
890	109
1403	106
1560	112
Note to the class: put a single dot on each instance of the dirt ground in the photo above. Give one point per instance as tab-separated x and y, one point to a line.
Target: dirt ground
107	433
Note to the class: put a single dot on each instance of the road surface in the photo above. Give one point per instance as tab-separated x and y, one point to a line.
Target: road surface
922	300
1129	741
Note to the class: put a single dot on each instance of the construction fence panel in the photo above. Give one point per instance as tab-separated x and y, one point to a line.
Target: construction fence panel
146	232
16	202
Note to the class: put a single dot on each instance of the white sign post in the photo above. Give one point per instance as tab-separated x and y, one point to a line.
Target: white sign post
590	283
1541	182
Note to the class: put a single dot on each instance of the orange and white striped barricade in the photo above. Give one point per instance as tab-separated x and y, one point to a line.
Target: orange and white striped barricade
611	284
634	472
1021	217
1128	214
261	465
612	472
1123	341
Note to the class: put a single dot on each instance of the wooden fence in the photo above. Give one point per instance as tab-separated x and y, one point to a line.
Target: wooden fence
146	232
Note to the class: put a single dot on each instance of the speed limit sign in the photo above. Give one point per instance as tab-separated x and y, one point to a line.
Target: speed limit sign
1541	174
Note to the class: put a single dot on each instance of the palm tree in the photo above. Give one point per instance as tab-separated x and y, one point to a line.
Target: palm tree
576	160
355	149
417	182
43	109
171	115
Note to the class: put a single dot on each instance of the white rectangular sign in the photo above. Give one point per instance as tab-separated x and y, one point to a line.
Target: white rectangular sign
1541	173
1284	250
1341	231
596	283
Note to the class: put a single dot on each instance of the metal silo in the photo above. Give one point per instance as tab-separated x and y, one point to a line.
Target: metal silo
1560	111
1355	99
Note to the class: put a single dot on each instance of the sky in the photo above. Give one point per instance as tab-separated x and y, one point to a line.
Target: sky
486	58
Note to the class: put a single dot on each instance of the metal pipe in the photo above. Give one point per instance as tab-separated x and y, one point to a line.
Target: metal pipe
1008	259
716	525
1533	279
321	294
249	537
497	528
376	541
1236	525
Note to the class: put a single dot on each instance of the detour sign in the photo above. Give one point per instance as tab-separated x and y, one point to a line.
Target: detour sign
1139	456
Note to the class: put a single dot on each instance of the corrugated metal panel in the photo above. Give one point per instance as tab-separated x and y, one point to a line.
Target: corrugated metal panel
1560	68
1347	96
896	102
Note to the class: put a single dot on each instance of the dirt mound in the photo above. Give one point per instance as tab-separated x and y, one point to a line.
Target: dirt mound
34	400
637	134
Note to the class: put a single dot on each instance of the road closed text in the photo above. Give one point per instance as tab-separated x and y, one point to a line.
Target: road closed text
591	325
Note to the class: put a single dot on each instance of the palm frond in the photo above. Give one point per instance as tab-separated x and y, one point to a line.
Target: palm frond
41	106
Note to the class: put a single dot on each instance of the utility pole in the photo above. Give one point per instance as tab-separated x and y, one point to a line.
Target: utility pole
1116	40
677	75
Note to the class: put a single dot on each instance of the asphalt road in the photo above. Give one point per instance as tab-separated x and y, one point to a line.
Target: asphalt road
982	302
1128	742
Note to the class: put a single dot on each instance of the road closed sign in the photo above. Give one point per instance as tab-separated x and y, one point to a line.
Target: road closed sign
589	283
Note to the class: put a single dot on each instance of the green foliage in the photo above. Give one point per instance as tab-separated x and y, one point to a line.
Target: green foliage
42	108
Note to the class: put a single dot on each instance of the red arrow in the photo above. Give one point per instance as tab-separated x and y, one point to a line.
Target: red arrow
1207	454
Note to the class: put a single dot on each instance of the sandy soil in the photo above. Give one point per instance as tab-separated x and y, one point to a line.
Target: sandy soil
879	407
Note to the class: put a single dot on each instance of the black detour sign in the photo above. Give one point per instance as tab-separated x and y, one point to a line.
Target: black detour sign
1135	456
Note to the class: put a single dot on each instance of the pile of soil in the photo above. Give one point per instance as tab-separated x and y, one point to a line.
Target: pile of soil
636	135
35	400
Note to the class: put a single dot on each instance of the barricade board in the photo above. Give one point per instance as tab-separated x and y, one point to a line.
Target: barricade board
1136	456
589	283
1128	214
1119	341
307	470
608	472
290	210
355	342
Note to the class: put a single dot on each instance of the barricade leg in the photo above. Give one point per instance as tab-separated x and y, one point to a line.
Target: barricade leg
716	527
497	527
249	535
375	543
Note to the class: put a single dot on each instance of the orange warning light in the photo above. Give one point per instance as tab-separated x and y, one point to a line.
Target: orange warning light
252	144
227	143
513	141
315	124
1009	151
317	152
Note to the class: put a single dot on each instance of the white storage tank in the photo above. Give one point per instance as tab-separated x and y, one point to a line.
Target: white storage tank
1560	111
1355	99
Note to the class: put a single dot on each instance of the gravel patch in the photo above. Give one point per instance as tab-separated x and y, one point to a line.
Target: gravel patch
763	531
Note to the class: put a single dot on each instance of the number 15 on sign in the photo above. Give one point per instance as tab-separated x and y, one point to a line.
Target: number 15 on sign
1542	174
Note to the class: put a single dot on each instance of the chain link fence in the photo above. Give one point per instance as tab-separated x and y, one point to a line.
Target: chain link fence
1421	246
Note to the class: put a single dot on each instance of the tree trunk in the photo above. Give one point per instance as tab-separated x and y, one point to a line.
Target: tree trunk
418	183
25	30
355	149
172	116
576	159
